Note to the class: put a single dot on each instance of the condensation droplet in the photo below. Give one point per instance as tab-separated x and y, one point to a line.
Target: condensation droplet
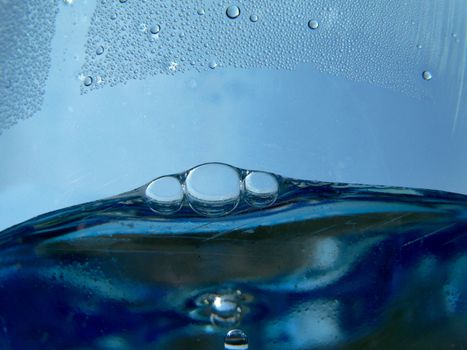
236	339
213	189
254	18
427	75
88	81
313	24
155	29
165	195
233	12
261	189
100	50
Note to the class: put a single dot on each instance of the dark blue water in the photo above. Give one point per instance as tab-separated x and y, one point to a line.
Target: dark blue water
293	264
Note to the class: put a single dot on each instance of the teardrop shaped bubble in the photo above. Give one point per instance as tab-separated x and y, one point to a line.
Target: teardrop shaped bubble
213	189
236	339
261	189
165	195
313	24
233	12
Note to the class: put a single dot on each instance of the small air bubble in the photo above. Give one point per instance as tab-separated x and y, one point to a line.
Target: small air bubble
213	64
254	18
113	17
427	75
233	12
201	12
100	50
236	339
88	81
122	1
313	24
155	29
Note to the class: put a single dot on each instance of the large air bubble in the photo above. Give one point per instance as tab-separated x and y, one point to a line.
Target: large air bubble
165	195
213	189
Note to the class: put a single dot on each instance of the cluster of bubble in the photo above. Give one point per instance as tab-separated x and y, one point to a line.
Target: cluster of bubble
27	28
365	41
212	189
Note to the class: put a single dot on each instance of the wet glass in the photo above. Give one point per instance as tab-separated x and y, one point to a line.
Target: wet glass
233	175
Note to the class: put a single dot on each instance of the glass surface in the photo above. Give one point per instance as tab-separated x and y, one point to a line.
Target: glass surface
100	97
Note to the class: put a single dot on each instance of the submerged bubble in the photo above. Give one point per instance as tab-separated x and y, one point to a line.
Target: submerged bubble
261	189
200	12
236	339
427	75
313	24
122	1
254	18
155	29
233	12
212	64
213	189
165	195
87	81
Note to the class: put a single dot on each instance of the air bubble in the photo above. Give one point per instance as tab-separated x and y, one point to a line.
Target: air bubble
87	81
123	1
155	29
233	12
165	195
113	17
200	12
313	24
236	339
100	50
212	64
254	18
213	189
261	189
427	75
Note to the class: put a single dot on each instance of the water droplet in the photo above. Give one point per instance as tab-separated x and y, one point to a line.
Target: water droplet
313	24
165	195
427	75
200	12
236	339
233	12
155	29
113	16
122	1
254	18
100	50
212	64
87	81
261	189
213	189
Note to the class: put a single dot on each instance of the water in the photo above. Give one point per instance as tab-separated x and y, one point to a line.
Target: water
323	265
98	97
